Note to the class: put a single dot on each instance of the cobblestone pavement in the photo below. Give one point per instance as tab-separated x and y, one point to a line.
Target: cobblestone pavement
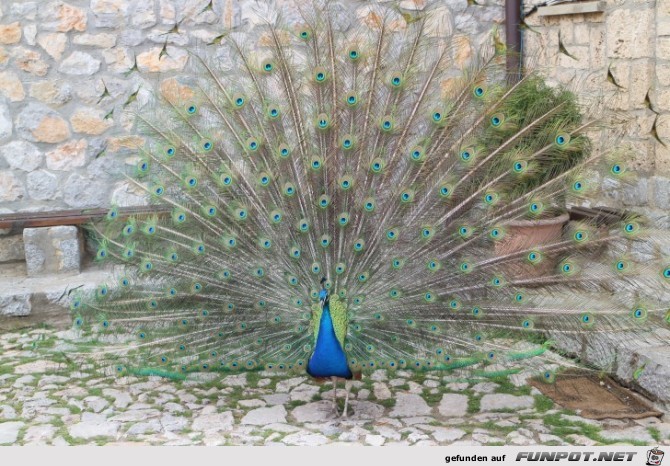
46	400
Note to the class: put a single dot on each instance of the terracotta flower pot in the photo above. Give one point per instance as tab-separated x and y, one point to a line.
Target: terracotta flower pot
522	235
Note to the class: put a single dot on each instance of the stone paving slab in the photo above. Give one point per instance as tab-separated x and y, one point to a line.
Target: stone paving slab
46	400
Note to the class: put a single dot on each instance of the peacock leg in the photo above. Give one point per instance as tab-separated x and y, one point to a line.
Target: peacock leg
347	388
335	395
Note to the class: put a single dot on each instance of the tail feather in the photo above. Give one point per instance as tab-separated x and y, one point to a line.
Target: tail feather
357	155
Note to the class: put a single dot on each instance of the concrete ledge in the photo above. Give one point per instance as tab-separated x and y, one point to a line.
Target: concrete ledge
642	364
26	301
572	8
655	377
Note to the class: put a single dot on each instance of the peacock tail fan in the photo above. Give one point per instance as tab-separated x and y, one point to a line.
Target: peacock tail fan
364	156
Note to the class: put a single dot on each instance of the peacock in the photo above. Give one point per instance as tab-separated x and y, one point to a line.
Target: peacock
343	199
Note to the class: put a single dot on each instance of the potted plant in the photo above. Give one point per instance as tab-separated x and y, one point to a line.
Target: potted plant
566	149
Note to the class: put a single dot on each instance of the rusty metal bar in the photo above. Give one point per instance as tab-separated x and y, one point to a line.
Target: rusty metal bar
71	217
513	39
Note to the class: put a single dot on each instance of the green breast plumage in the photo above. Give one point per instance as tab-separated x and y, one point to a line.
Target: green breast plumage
338	313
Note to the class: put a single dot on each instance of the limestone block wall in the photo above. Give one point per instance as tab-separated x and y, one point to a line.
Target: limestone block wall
72	73
620	59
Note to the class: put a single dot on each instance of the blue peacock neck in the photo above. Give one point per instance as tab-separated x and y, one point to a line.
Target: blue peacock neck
328	358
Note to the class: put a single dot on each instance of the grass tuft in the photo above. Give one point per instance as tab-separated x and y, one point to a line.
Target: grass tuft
543	403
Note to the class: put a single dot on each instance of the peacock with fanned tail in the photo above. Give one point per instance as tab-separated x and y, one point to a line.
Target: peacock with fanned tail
342	201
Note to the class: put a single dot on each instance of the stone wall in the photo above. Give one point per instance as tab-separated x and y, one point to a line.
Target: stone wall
619	58
72	73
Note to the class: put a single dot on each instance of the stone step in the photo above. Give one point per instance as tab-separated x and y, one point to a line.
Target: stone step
638	357
25	301
637	360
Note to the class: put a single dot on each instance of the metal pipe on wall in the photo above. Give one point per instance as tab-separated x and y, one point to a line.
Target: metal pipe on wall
513	38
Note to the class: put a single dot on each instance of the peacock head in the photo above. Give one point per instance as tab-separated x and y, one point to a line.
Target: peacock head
323	293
